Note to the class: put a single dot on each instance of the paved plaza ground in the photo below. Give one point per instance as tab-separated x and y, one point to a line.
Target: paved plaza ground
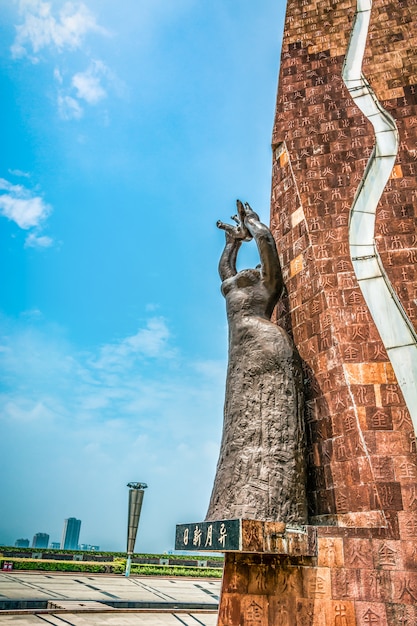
79	599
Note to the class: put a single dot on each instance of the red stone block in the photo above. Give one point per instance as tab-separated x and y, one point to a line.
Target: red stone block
404	587
370	614
358	553
345	584
374	585
379	418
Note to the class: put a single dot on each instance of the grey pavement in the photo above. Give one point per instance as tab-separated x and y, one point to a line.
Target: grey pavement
78	592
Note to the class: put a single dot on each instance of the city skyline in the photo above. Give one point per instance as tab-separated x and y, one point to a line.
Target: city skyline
44	540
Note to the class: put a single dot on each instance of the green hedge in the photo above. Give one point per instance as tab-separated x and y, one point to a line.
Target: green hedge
114	567
116	555
176	570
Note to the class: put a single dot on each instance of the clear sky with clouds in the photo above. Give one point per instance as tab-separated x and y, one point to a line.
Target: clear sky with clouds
128	128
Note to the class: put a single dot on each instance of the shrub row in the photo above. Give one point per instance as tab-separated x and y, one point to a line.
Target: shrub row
100	556
114	567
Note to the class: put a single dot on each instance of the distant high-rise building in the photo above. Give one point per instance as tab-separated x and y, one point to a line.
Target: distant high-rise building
40	540
71	534
22	543
89	548
55	545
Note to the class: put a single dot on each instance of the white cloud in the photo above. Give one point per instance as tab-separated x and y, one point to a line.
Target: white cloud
148	342
45	27
69	108
21	206
19	173
88	84
38	241
42	29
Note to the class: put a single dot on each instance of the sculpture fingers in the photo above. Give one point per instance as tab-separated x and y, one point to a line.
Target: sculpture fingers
250	213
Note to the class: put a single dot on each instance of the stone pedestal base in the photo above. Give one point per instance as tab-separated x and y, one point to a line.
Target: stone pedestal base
275	575
261	590
359	576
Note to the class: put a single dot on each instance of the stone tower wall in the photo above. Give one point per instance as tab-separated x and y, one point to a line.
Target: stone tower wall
362	446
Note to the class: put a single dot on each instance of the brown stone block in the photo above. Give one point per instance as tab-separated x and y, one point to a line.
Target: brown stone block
377	373
253	610
330	552
347	280
396	172
358	553
351	474
363	394
409	493
338	612
262	580
356	444
389	554
229	609
359	499
401	614
235	576
339	400
409	555
342	500
325	502
334	299
370	613
361	416
341	449
404	587
304	614
330	380
365	471
391	395
345	583
389	527
361	523
353	372
405	469
338	476
408	525
379	418
383	467
402	420
368	373
393	443
375	350
282	610
389	496
374	585
328	477
316	583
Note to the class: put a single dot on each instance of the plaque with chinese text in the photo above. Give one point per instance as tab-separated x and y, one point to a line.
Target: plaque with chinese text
218	536
242	535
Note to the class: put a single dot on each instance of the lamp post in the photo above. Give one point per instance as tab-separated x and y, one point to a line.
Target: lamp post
136	491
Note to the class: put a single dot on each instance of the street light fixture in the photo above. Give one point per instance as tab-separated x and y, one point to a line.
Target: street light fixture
136	491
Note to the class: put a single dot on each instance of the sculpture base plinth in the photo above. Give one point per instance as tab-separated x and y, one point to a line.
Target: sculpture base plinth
327	576
263	561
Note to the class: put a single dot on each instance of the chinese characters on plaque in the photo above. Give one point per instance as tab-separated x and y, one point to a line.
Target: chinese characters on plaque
211	536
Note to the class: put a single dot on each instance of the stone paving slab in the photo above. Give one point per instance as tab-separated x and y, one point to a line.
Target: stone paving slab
25	586
68	588
108	619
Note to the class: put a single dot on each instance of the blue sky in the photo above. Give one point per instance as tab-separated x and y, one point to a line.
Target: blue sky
127	130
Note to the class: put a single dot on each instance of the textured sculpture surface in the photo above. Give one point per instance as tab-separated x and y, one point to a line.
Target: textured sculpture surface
260	472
